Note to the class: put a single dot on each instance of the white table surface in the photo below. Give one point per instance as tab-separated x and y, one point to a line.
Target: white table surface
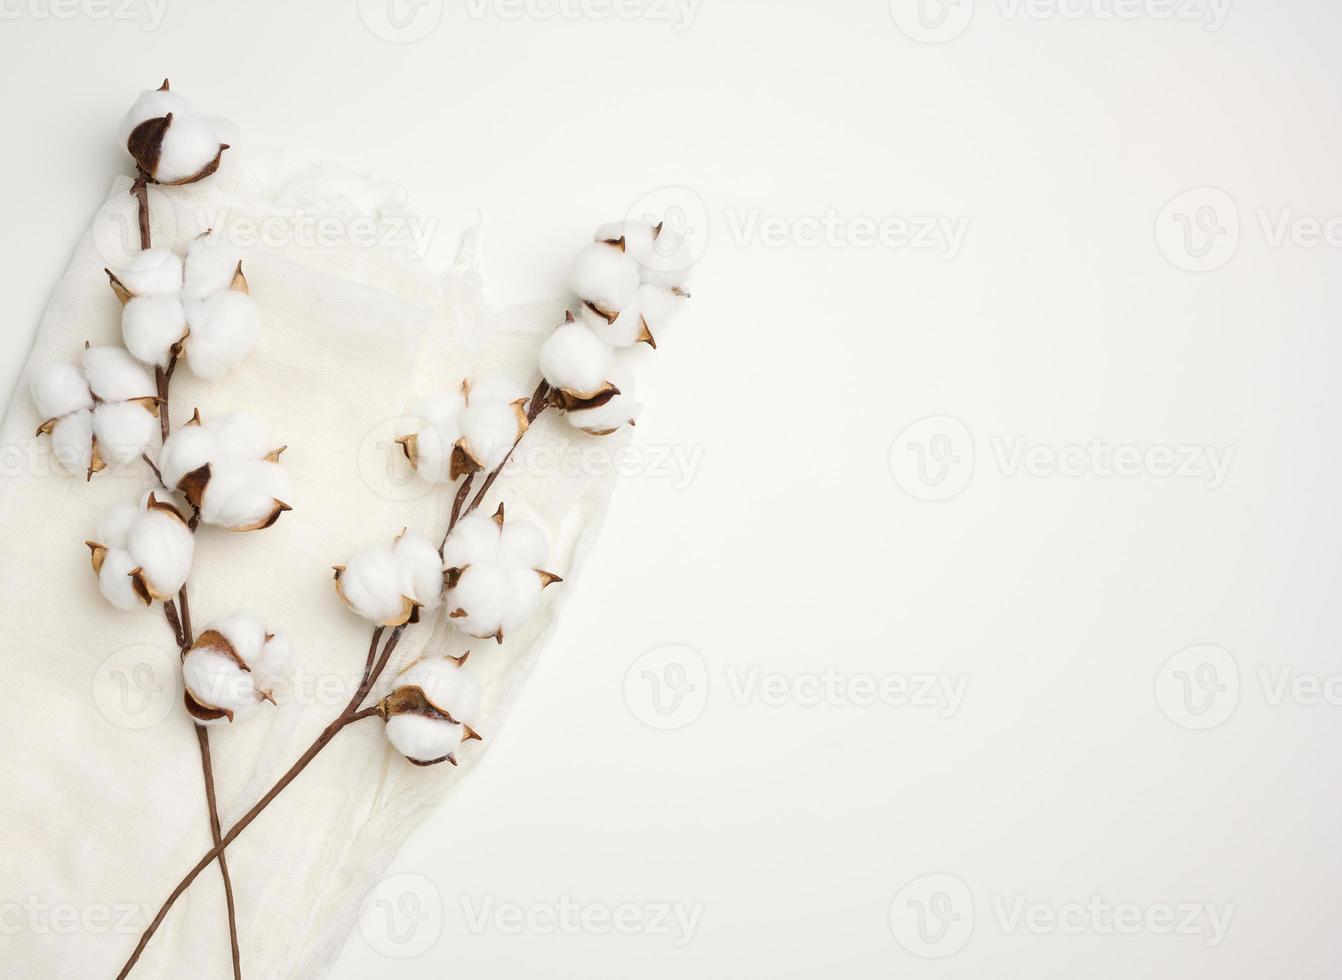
789	823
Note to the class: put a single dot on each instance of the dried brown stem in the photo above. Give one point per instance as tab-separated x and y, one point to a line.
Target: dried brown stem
351	714
207	769
539	400
181	627
152	466
373	669
170	614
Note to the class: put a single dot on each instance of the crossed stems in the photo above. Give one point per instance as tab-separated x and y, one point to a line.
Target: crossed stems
181	627
373	667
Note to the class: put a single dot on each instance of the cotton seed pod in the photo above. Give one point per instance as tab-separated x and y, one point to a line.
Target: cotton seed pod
661	251
613	414
222	330
640	322
232	667
173	146
465	431
430	710
123	407
153	320
115	376
151	272
211	266
605	275
122	431
494	573
72	443
152	104
59	389
142	552
639	237
229	471
390	583
578	366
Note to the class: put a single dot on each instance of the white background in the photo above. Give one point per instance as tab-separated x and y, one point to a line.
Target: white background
1068	316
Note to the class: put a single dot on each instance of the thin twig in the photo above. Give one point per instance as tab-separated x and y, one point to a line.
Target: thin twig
540	399
181	627
188	637
351	714
157	475
457	501
170	614
207	769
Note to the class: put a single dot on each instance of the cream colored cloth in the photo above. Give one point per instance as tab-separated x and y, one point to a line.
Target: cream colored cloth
102	809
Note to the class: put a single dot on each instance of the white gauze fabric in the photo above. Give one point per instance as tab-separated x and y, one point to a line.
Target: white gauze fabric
103	805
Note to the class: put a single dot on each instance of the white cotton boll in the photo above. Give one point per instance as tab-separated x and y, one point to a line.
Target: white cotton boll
189	145
659	308
115	523
604	275
371	583
449	687
72	442
614	414
497	575
526	598
671	260
151	325
441	408
211	262
490	428
637	235
493	599
496	387
625	331
522	545
59	389
433	421
274	661
240	436
162	547
187	449
215	680
123	431
114	580
245	633
576	359
245	495
433	452
475	539
114	376
151	105
422	739
421	568
224	329
152	272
